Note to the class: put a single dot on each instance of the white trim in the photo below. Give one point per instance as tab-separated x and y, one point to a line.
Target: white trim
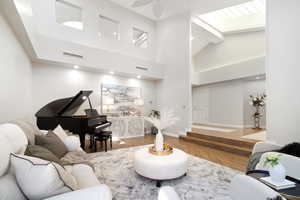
232	63
223	125
171	134
134	136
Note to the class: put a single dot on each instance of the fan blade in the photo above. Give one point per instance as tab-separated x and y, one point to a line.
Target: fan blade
158	9
139	3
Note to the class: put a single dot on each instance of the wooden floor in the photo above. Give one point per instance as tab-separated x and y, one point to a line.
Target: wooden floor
231	160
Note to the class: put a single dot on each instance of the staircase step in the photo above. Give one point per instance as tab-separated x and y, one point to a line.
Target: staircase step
230	141
219	145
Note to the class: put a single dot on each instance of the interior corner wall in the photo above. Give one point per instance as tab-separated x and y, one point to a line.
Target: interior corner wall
235	48
174	51
226	104
283	47
15	76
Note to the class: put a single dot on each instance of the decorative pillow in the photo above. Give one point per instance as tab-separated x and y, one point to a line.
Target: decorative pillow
29	129
59	131
40	179
52	142
43	153
72	143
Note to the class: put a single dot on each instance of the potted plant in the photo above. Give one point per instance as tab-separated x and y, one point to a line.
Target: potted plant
165	120
258	102
277	171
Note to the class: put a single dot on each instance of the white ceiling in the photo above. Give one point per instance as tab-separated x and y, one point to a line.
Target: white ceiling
173	7
248	15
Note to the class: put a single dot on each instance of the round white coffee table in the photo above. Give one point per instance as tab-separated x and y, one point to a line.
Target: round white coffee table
160	167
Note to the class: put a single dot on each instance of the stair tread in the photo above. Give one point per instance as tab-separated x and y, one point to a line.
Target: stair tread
218	143
198	135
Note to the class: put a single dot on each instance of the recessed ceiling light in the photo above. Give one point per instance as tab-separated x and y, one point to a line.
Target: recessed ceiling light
112	72
139	77
76	67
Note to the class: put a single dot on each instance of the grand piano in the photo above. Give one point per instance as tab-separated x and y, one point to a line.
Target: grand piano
63	112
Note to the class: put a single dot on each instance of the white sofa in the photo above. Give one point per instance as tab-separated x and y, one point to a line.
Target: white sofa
13	140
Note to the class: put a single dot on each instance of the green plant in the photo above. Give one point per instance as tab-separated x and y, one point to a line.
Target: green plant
272	159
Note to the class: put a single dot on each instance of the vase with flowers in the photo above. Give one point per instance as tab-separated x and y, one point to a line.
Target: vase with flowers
258	102
276	170
161	122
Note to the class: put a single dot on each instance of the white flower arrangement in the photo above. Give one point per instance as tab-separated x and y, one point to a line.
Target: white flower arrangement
167	119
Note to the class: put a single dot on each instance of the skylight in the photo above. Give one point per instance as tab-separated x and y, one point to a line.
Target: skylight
248	15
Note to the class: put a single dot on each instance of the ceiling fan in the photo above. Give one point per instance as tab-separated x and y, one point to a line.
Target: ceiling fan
158	8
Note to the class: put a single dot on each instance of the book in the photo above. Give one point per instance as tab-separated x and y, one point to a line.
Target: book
278	185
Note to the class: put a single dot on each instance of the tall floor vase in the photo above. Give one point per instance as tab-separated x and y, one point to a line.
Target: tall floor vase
257	118
159	142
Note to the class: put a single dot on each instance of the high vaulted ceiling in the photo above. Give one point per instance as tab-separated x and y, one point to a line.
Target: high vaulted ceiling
173	7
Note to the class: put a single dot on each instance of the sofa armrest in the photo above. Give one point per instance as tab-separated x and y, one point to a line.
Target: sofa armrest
167	193
265	146
247	188
101	192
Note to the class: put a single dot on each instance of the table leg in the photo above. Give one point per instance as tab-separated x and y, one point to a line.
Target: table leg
158	183
111	142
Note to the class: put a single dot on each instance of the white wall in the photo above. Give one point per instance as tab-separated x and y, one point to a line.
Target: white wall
51	82
240	70
174	51
45	20
227	103
235	48
283	47
15	76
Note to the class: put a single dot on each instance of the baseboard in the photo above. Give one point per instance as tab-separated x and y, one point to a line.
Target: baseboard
171	134
251	126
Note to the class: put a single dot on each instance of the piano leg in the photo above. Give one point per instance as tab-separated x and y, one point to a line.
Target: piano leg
82	140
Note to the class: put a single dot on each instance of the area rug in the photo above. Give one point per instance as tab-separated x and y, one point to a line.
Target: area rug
204	181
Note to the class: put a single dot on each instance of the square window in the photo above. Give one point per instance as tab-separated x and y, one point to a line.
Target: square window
140	38
109	28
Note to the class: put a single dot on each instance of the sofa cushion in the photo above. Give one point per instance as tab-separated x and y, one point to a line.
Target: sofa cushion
52	142
43	153
9	189
40	179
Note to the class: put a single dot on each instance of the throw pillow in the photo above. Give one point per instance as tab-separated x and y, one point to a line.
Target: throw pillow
29	129
59	131
72	143
292	149
40	179
52	142
43	153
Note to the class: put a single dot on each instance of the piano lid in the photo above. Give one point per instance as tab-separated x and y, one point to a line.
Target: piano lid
64	107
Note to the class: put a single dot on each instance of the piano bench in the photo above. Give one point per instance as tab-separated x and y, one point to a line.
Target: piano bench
103	136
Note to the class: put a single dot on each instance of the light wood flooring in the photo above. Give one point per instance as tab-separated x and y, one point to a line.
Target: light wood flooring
232	160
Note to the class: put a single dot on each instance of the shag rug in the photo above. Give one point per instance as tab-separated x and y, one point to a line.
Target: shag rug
204	181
